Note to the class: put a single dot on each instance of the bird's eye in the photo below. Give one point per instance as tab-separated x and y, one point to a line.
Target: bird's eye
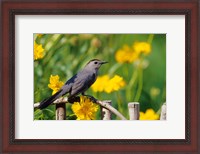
95	62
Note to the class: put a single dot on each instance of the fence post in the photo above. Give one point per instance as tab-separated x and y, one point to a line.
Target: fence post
60	111
134	110
163	113
105	113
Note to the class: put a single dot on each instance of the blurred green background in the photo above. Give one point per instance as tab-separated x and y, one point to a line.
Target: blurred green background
66	54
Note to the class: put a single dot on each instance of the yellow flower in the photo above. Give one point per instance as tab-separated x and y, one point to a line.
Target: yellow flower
55	84
114	84
126	54
129	54
85	109
142	47
149	115
38	51
100	83
108	85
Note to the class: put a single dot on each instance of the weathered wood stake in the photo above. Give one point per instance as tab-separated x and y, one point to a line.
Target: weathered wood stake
163	113
105	113
134	110
112	109
60	111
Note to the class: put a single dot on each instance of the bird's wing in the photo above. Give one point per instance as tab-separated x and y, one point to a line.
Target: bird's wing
82	82
67	87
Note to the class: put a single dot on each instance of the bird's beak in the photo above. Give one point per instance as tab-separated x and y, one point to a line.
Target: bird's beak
104	62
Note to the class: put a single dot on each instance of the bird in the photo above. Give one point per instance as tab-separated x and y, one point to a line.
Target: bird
77	84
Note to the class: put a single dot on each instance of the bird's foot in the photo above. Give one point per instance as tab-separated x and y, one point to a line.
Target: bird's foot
73	99
91	98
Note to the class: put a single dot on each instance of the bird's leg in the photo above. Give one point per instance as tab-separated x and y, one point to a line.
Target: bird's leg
90	97
73	99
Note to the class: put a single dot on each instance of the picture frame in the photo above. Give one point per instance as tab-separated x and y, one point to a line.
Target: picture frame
7	107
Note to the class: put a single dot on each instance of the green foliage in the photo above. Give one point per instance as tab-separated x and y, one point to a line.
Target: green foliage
66	54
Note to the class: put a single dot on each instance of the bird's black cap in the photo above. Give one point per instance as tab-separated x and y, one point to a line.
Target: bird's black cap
102	62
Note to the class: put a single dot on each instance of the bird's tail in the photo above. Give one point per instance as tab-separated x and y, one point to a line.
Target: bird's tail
50	100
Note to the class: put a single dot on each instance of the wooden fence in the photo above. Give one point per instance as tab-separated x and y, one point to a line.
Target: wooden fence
106	109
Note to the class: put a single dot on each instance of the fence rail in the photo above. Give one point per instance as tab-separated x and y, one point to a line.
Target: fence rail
106	109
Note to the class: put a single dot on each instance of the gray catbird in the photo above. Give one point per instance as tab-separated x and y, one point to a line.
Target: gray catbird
79	83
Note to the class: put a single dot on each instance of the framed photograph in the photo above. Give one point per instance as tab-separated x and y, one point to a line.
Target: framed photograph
122	75
118	76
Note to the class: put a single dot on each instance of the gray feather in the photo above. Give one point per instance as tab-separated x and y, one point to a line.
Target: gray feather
79	83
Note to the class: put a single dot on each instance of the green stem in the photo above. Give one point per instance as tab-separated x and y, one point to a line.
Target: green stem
140	73
150	38
114	68
127	69
52	50
133	79
140	83
119	102
129	89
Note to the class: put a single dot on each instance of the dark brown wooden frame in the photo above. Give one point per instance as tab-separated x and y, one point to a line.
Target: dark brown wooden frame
191	144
